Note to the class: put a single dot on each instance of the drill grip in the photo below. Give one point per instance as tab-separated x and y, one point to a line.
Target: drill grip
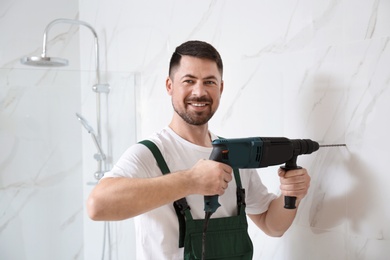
211	203
290	201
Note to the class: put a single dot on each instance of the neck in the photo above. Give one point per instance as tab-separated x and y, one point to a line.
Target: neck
196	134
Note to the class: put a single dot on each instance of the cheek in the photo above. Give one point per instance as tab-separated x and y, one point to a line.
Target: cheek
178	94
216	99
176	99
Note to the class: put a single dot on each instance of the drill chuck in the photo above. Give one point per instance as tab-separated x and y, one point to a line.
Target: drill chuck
305	146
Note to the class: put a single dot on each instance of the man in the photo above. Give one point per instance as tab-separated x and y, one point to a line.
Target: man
136	187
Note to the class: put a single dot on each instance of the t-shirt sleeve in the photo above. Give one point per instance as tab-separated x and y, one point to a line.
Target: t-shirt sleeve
136	162
257	196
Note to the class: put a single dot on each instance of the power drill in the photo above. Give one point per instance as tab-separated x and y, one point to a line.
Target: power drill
259	152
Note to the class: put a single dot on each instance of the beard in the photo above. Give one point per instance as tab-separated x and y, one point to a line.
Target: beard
195	118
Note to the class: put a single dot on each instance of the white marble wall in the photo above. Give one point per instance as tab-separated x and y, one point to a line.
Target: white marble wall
300	69
41	206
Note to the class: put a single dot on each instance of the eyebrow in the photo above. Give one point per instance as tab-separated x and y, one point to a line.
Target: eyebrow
193	77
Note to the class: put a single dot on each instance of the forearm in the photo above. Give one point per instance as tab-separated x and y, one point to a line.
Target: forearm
122	198
276	220
279	219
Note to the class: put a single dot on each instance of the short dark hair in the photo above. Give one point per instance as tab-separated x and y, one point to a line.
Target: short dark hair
196	49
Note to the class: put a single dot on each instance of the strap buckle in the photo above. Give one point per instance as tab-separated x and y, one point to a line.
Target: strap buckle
240	196
182	205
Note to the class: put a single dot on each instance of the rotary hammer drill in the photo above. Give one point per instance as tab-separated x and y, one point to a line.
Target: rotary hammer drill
260	152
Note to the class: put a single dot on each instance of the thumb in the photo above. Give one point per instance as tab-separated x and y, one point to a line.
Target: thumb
281	172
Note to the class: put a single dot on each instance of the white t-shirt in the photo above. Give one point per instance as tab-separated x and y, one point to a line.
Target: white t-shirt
157	231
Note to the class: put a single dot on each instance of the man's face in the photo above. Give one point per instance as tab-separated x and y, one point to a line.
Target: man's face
196	87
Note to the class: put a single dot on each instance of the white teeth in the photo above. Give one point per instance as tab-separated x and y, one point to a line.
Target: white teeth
198	105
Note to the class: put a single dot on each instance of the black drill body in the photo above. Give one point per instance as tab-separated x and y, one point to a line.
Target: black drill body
259	152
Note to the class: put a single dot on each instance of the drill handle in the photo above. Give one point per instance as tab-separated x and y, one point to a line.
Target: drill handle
219	154
289	201
211	203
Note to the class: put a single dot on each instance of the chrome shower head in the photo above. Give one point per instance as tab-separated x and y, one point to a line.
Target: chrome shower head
44	61
84	122
101	156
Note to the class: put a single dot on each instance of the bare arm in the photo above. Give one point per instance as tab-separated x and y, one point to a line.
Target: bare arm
121	198
276	220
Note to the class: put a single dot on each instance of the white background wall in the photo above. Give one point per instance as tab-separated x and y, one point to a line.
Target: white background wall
300	69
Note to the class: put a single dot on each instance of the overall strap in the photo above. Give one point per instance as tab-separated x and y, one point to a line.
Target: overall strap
157	155
240	192
181	205
237	178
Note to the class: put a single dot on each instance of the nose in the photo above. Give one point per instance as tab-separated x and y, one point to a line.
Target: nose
199	89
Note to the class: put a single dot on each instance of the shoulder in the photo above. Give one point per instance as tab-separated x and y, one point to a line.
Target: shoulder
163	140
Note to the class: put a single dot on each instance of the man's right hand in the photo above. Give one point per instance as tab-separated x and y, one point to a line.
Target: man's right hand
210	177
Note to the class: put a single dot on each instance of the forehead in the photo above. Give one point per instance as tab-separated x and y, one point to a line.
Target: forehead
197	67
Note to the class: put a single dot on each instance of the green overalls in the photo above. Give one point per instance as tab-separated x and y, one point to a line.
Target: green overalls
227	238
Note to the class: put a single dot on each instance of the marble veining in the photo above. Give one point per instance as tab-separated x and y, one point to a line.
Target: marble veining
292	68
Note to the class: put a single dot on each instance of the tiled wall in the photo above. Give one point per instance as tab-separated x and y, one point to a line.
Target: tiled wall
300	69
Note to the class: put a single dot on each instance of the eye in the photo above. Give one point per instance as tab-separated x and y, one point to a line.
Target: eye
210	82
188	82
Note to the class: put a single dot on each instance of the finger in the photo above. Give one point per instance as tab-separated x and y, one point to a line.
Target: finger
299	193
293	179
293	192
294	187
295	172
281	172
224	186
226	168
227	178
222	191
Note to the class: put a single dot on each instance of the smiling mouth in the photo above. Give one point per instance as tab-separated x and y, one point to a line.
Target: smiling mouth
198	104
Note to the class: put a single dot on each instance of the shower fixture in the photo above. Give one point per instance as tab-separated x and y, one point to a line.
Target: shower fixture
45	61
98	88
99	156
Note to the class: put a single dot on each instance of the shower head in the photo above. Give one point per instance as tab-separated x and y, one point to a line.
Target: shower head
101	156
44	61
84	122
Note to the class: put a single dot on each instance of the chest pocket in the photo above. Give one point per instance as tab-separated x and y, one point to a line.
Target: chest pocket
227	238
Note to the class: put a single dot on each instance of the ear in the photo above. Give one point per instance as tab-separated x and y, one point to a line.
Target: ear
221	90
168	85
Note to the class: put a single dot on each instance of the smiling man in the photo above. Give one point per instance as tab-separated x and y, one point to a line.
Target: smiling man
199	83
195	85
162	182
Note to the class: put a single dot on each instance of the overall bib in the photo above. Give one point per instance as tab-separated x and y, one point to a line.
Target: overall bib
227	238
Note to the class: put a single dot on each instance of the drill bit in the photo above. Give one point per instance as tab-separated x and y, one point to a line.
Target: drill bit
332	145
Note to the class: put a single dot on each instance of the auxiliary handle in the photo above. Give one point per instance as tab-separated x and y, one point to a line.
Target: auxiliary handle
289	201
